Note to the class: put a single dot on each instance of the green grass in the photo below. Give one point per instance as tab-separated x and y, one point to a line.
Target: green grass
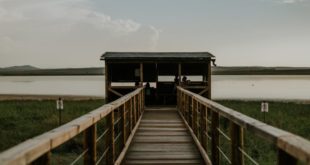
21	120
292	117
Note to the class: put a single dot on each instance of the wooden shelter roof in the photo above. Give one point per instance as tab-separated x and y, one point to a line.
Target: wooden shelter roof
157	56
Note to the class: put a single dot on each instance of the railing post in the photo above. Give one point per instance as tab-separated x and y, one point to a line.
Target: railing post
285	159
134	110
236	135
44	159
124	135
215	157
110	138
130	115
90	137
203	127
194	116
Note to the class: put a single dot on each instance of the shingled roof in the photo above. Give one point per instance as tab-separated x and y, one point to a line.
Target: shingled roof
157	56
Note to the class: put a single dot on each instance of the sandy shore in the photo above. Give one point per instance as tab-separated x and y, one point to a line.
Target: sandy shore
4	97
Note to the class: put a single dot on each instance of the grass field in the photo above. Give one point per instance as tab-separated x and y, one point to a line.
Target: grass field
292	117
20	120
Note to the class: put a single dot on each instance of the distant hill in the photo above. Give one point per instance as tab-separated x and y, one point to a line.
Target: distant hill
258	70
33	71
219	70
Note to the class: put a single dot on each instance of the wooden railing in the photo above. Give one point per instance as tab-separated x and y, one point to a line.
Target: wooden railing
203	116
120	118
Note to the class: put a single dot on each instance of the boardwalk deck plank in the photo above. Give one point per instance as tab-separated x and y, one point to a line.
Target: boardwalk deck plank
162	138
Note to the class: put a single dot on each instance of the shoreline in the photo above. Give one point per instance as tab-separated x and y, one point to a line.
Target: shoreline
17	97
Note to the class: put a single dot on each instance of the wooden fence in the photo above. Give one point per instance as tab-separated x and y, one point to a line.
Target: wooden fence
202	116
120	117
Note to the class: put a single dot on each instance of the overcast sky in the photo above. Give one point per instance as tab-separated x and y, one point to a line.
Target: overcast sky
74	33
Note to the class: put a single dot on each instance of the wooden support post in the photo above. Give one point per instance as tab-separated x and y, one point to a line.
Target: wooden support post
188	105
203	127
215	157
44	159
110	139
179	72
236	135
107	82
134	110
130	115
90	137
285	159
124	135
141	74
194	115
209	80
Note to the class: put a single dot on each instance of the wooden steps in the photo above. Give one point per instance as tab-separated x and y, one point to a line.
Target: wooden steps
162	138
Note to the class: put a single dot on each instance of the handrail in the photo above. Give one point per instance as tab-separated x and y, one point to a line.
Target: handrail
196	109
37	150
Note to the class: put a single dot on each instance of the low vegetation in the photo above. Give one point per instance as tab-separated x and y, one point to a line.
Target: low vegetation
21	120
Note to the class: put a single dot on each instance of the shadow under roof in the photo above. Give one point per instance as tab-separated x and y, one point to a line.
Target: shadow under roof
156	56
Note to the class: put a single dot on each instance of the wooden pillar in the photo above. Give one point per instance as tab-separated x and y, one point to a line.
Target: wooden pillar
215	157
194	116
110	139
90	137
44	159
107	82
209	80
123	123
285	159
204	127
179	72
236	135
141	74
130	115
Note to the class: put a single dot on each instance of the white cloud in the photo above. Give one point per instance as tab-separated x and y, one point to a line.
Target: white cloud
70	28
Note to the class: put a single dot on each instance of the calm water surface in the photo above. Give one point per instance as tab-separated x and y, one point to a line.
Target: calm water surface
223	86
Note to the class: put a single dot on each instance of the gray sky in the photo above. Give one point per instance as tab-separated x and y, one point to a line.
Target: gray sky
74	33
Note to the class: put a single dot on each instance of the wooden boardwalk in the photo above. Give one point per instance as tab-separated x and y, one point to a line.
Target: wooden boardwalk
162	138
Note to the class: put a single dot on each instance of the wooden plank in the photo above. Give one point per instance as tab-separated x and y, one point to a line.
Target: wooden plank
168	162
127	144
215	157
162	139
161	133
161	129
163	147
162	155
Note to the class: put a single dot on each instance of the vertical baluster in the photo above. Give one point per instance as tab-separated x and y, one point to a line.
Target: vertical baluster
123	123
90	137
110	139
194	116
215	157
44	159
130	115
203	126
236	135
285	159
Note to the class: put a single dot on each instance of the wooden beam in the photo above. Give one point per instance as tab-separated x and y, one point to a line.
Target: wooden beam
90	137
236	136
110	139
141	74
209	80
44	159
115	92
215	157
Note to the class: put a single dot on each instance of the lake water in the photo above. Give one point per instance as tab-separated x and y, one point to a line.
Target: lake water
223	86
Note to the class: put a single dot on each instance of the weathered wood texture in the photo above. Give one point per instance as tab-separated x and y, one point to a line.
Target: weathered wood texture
291	147
38	149
162	138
